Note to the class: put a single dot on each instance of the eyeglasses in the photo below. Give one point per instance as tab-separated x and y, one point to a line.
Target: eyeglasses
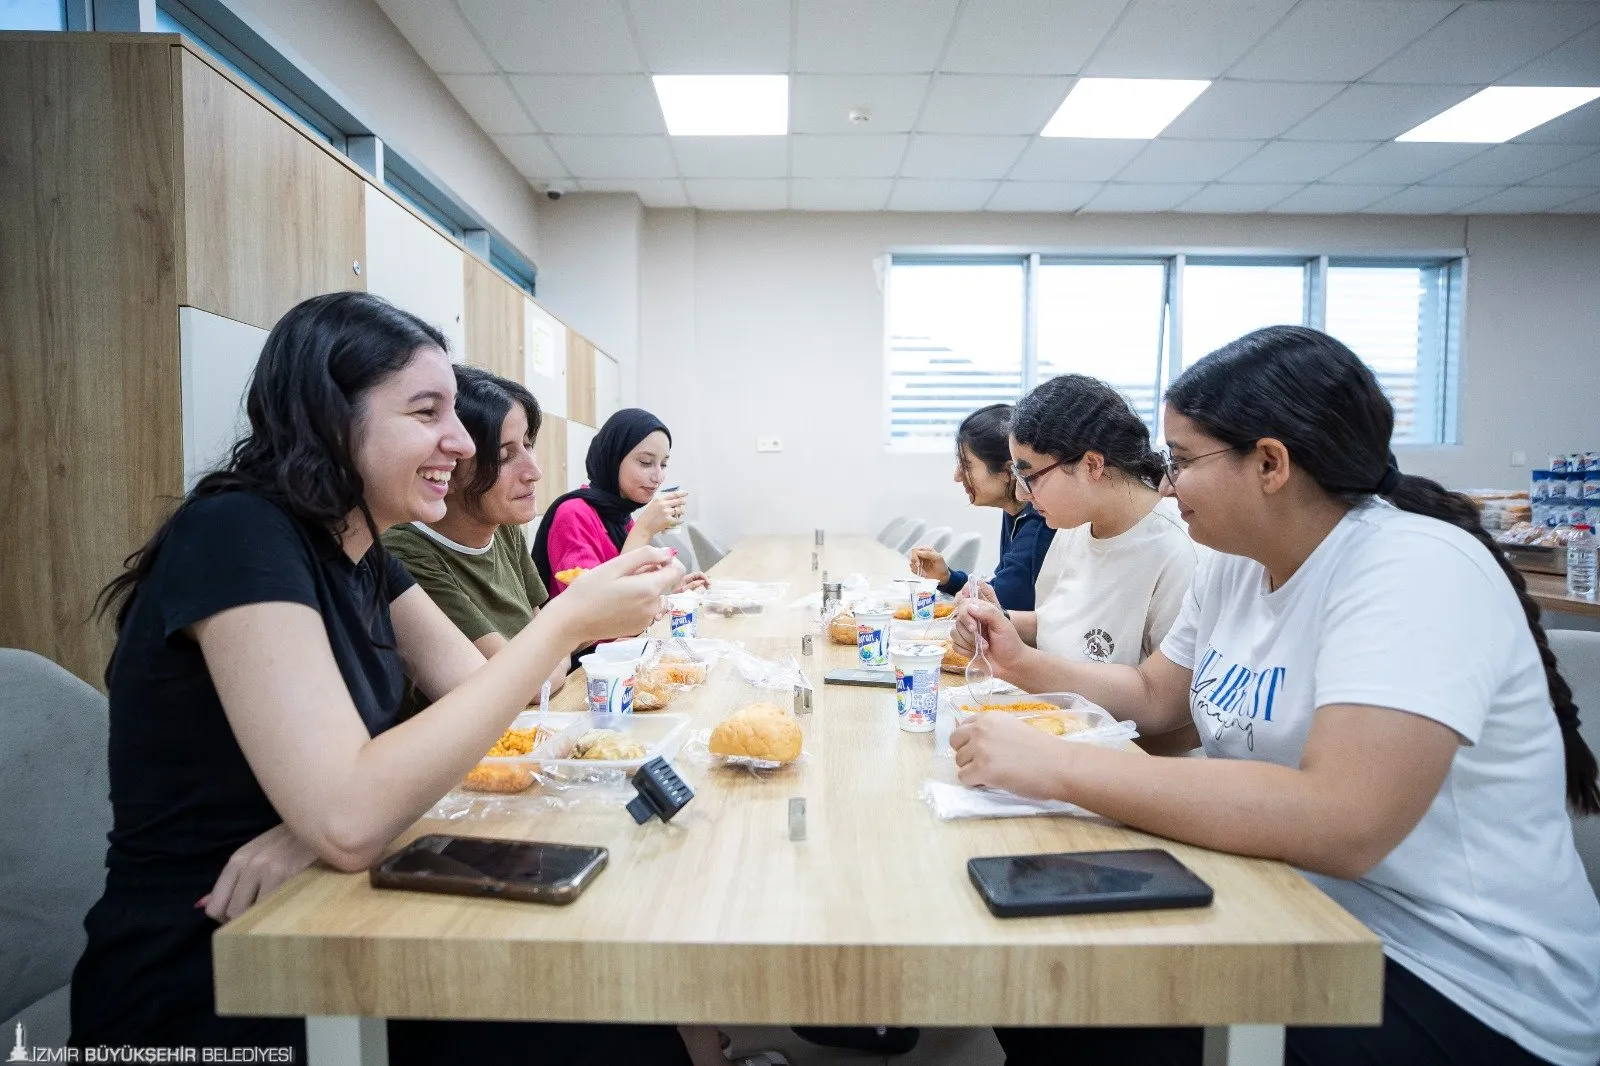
1174	467
1026	480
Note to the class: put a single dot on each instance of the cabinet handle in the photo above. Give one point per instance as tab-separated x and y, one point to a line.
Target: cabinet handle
355	268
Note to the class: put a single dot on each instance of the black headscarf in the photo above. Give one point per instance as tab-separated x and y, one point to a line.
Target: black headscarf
620	435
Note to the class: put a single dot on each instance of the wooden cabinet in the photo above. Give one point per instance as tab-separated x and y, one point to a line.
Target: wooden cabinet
578	438
607	387
580	379
492	323
550	452
544	349
216	358
414	266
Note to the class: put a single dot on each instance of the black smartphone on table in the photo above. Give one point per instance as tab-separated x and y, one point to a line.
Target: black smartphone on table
866	676
530	870
1086	882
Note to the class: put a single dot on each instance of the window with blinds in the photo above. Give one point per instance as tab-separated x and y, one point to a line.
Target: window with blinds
966	332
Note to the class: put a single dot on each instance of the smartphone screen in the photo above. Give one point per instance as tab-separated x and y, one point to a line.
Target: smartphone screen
1082	882
521	869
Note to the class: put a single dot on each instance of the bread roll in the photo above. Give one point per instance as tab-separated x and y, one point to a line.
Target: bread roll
759	731
843	629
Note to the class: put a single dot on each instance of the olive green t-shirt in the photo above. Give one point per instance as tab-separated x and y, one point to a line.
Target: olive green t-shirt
489	590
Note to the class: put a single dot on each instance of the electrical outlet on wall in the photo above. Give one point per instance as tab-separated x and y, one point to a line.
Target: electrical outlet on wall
1519	458
769	444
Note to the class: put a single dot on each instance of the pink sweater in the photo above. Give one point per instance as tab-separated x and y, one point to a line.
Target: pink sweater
578	538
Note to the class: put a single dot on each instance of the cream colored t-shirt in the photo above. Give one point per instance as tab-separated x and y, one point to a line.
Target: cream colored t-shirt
1112	599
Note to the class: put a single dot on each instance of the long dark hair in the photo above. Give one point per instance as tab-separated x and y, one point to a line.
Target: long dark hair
1073	414
986	433
482	402
309	385
1301	387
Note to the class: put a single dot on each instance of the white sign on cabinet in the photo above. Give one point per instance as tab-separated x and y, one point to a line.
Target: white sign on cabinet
544	347
409	264
216	357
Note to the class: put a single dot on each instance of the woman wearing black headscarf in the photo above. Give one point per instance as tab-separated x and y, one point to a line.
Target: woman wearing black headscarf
627	464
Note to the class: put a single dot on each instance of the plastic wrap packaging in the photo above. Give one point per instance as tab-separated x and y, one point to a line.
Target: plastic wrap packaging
775	675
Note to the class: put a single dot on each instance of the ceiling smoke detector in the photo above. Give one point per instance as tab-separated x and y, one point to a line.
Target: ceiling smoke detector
859	116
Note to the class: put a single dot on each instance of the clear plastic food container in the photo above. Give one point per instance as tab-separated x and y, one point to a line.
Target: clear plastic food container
660	734
742	597
1064	714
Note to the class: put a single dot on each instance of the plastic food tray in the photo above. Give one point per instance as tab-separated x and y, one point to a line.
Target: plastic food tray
555	722
661	733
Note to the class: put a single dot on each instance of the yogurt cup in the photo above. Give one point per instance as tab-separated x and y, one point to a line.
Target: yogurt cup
665	490
684	608
923	593
916	687
609	683
872	637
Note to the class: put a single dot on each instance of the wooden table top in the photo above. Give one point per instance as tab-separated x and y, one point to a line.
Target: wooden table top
1549	591
719	917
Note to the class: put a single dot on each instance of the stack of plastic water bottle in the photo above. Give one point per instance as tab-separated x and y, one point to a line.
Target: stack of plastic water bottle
1568	493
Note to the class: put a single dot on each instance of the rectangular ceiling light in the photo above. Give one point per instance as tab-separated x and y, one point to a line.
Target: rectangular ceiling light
1500	113
724	105
1127	108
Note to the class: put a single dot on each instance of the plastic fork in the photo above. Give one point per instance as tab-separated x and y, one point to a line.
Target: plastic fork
978	670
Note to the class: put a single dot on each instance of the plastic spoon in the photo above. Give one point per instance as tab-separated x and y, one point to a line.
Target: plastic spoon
978	671
544	709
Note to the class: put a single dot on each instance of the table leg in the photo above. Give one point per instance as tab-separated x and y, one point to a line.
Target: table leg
1244	1045
346	1040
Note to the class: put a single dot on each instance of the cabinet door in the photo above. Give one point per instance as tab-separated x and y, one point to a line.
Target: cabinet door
415	267
550	452
607	387
578	438
580	379
217	356
492	324
544	348
270	217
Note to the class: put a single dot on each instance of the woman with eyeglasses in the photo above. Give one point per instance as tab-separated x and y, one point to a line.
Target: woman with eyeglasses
983	468
1380	708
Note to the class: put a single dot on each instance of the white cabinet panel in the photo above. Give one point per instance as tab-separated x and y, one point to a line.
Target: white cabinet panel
607	387
578	438
409	264
544	350
217	356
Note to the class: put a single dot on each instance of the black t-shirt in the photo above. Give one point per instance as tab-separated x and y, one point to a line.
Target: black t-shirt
183	796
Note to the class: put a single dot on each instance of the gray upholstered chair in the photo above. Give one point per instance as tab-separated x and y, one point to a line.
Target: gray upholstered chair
938	538
1578	656
962	553
678	538
57	806
890	535
707	550
910	536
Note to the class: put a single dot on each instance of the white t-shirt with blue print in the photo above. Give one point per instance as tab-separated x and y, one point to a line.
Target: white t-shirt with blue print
1486	899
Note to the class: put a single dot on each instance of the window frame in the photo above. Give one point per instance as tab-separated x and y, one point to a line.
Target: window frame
1452	264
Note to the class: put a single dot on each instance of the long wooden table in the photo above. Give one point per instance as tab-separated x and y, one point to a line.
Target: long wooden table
1549	591
720	918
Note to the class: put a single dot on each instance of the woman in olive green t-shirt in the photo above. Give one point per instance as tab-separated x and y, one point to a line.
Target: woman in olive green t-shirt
474	563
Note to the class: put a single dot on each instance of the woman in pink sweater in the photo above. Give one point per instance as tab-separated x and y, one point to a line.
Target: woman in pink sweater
627	463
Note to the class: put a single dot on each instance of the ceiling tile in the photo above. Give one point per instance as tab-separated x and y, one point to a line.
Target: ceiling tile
1028	36
555	36
490	102
1575	63
1183	39
1581	126
950	156
1589	205
616	157
652	192
839	194
1509	164
732	157
440	36
821	103
713	36
1524	199
1429	199
591	104
1585	171
1141	197
1377	112
848	157
1074	159
973	103
1289	161
1339	40
1167	159
530	154
1262	109
1334	199
1403	164
940	195
884	37
1480	42
1231	199
1046	196
735	194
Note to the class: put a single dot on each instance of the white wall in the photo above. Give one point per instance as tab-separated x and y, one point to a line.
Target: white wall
352	49
772	325
589	274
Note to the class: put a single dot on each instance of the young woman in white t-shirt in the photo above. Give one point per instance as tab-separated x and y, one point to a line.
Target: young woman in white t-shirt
1380	707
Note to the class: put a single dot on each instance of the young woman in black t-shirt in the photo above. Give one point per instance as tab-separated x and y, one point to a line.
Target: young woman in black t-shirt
263	635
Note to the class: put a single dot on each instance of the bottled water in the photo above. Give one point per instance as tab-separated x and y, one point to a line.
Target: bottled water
1581	562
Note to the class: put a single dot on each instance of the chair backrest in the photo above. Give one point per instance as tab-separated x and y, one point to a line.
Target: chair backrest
938	538
707	550
1578	658
56	799
963	552
890	535
910	536
678	539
